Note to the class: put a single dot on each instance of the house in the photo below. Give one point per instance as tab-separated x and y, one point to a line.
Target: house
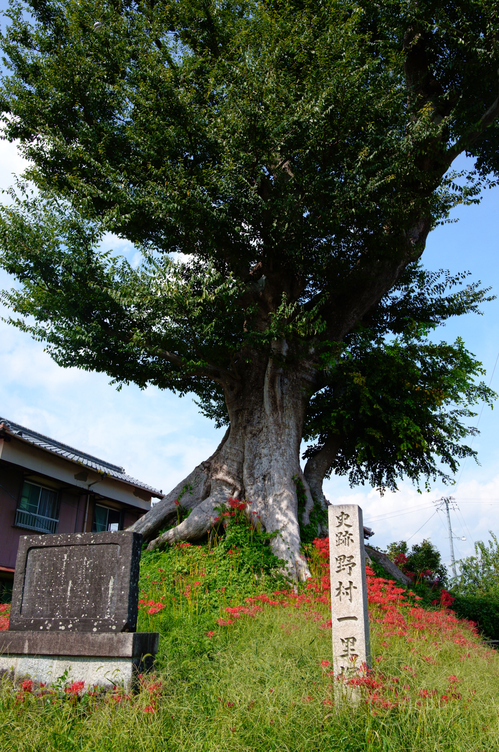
49	487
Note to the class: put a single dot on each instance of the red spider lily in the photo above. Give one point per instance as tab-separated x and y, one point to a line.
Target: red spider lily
76	688
445	600
4	616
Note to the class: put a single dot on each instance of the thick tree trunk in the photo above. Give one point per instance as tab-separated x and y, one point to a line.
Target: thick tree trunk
259	461
316	469
319	465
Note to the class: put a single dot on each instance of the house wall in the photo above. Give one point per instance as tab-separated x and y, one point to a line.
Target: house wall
22	454
11	480
72	510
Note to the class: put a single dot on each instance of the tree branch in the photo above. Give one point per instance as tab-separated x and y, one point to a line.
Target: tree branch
487	119
319	465
220	375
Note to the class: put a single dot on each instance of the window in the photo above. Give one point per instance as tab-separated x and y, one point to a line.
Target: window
38	508
106	519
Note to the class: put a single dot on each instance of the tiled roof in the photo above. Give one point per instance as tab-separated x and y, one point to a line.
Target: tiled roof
74	455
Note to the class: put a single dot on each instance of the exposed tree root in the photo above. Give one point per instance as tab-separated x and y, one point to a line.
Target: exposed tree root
191	491
199	523
257	461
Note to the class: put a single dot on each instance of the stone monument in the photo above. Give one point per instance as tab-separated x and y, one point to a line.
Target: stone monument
350	623
74	610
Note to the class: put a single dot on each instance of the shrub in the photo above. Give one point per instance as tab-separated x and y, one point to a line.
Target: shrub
479	574
484	612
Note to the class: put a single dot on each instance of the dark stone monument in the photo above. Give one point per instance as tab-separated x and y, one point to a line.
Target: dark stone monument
74	606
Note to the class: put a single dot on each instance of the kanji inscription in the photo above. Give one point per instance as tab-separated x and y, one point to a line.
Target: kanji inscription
345	563
345	591
351	649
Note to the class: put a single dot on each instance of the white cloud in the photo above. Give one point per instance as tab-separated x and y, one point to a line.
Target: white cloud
12	164
156	436
410	516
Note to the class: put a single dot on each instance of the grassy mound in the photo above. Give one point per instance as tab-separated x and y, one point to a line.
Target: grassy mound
244	665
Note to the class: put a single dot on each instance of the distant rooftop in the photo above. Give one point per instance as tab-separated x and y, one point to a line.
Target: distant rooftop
74	455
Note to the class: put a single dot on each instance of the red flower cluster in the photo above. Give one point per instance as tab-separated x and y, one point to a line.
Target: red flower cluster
445	600
149	684
237	504
4	616
154	608
76	688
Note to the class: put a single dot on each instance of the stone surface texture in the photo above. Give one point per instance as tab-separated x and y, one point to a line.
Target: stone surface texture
86	582
104	645
350	624
106	672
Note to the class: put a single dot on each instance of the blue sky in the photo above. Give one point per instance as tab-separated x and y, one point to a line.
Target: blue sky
159	437
470	244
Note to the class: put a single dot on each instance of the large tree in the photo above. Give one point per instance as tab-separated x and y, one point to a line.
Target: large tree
278	165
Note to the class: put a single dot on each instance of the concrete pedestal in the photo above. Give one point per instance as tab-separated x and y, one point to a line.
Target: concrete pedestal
104	659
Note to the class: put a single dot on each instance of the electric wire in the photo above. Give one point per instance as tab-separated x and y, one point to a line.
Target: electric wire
466	526
389	515
466	458
422	526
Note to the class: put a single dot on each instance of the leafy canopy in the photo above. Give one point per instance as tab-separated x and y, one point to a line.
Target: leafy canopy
277	164
397	402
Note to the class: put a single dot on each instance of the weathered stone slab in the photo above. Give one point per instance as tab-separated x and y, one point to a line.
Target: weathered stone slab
86	582
107	645
351	646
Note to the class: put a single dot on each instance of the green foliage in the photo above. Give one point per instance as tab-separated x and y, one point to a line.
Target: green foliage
476	588
479	575
426	562
423	564
264	682
398	403
5	591
235	562
484	612
296	155
241	534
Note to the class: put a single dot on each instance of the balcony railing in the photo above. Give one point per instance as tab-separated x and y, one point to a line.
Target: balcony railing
35	522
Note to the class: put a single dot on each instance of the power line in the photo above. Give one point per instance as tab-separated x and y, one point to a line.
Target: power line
422	526
466	526
389	515
474	499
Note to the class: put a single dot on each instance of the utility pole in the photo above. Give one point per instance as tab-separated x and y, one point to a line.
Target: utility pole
445	501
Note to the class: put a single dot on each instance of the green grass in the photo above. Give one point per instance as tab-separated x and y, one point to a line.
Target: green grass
262	682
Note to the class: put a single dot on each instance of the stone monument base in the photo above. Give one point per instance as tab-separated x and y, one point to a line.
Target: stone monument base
103	659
